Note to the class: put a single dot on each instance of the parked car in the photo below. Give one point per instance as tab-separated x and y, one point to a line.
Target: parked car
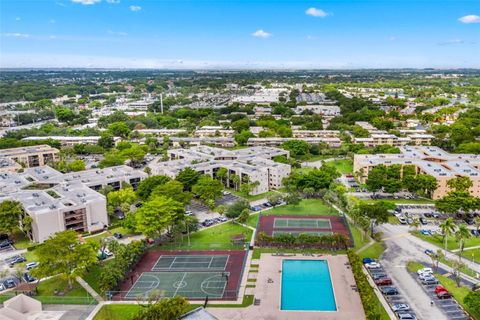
226	193
402	220
377	276
429	252
373	265
2	287
400	307
425	270
16	259
425	275
469	221
423	221
5	244
118	235
475	232
389	291
440	289
429	281
384	282
31	265
444	295
223	219
406	316
368	260
476	287
9	283
28	278
426	232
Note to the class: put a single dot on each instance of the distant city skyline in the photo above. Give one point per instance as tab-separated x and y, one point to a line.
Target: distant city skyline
335	34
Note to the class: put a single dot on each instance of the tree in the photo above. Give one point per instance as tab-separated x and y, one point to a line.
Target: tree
106	140
457	202
274	198
135	153
208	190
243	217
297	148
242	137
172	189
113	158
145	187
293	199
236	181
76	165
157	215
164	309
234	210
448	228
462	234
221	174
63	255
221	209
377	212
10	215
122	199
377	177
462	183
472	300
188	177
119	129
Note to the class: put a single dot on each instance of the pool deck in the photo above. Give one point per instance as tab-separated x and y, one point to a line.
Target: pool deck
348	301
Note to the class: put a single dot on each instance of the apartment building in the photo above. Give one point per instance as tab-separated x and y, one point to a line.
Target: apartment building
163	132
379	137
324	110
224	142
315	133
213	131
428	160
333	142
8	165
33	156
68	141
58	202
250	164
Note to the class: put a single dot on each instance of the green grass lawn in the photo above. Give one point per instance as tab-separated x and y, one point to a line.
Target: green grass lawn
21	241
93	274
255	197
253	220
451	243
305	207
343	166
358	238
108	233
473	255
217	237
374	251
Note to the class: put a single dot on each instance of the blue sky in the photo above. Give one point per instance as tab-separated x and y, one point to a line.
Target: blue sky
240	34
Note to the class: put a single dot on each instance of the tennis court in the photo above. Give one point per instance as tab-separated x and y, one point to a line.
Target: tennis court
292	223
193	285
297	233
191	262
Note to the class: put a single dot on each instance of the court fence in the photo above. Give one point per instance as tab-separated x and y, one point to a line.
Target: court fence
83	300
153	295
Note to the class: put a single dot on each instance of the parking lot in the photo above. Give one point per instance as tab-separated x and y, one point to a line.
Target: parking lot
449	306
394	297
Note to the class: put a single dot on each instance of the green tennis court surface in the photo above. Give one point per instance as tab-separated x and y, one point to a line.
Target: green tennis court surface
185	284
296	233
191	262
302	223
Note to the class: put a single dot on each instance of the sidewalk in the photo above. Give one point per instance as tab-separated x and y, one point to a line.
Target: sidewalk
89	289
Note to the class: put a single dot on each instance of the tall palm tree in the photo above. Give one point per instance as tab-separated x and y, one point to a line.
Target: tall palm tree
236	181
462	234
448	228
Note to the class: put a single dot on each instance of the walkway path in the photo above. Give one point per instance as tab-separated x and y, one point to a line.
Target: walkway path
89	289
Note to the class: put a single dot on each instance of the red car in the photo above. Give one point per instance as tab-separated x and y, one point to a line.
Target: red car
439	289
383	282
444	295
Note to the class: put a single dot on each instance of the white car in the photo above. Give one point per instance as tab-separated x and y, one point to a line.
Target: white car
400	307
2	287
226	193
31	265
426	276
106	252
425	271
373	265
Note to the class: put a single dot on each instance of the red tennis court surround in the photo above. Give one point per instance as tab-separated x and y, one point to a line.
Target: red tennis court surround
267	224
234	266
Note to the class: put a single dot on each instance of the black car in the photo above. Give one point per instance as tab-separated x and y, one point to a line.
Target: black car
469	221
3	237
423	221
389	291
118	235
28	277
5	244
16	259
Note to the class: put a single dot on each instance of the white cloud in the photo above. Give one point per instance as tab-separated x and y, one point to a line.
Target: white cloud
113	1
261	34
52	21
314	12
17	19
86	2
135	8
17	35
451	42
472	18
52	37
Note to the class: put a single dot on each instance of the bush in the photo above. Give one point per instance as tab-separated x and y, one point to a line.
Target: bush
236	209
335	241
367	295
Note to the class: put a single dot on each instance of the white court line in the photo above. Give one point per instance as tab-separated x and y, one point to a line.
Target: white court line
144	292
171	264
184	275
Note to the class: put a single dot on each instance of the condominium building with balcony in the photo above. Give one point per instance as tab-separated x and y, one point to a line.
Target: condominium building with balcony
250	164
332	142
32	156
69	141
427	160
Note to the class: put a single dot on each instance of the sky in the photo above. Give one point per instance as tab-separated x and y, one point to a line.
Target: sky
201	34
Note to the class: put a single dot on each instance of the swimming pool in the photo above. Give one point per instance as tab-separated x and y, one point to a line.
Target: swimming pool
306	285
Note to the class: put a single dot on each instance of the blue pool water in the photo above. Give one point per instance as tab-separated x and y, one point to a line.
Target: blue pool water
306	285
